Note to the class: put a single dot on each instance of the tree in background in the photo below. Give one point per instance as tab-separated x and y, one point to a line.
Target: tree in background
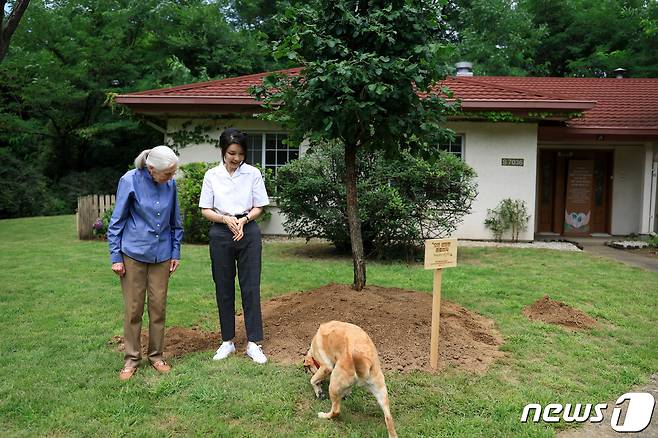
364	64
8	26
593	37
555	37
498	36
69	57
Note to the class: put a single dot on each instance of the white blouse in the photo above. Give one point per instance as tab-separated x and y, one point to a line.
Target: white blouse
233	194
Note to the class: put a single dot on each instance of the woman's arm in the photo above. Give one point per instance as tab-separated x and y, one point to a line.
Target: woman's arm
213	216
254	213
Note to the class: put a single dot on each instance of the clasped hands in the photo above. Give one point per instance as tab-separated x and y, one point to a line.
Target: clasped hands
235	225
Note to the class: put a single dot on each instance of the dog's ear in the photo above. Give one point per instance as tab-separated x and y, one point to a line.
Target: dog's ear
310	365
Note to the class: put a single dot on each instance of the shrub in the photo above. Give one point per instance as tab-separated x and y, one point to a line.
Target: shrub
401	202
510	215
189	190
102	223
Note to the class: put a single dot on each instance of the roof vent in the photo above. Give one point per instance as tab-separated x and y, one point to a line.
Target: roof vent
464	69
620	72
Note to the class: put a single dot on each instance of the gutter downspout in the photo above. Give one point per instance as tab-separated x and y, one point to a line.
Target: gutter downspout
652	198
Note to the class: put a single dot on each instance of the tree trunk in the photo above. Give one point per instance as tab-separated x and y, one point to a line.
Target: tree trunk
353	218
8	26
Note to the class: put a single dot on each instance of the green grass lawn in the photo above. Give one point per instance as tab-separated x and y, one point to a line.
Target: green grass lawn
60	304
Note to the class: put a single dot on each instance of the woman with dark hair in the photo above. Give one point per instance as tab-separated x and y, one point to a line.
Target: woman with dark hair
232	197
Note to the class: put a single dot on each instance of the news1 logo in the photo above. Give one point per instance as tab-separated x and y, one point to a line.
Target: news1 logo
638	412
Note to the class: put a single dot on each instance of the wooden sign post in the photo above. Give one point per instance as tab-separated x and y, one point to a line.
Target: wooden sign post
439	254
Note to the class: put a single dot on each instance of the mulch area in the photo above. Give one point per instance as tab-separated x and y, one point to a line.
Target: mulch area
397	320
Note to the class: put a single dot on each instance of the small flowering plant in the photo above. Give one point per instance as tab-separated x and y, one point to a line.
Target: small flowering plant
99	227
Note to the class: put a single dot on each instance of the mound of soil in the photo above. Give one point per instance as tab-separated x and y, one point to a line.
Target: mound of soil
397	320
556	312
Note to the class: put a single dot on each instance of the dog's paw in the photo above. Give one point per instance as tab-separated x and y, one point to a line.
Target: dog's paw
325	415
320	394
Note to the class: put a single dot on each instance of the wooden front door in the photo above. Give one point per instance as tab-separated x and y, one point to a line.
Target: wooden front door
574	191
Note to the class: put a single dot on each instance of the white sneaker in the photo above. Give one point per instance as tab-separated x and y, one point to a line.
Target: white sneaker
224	350
255	352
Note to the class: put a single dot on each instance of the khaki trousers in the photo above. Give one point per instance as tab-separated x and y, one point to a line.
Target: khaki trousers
141	278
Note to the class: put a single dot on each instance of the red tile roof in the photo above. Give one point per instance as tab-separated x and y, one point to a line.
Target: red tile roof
621	104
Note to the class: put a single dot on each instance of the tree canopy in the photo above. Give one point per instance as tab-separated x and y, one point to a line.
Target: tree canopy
65	59
364	64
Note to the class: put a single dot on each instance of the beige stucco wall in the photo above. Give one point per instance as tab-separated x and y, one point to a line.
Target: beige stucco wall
485	144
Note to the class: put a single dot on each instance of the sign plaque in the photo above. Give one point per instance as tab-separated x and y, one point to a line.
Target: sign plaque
440	253
520	162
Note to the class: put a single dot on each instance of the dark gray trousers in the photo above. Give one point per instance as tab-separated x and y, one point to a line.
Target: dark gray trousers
224	254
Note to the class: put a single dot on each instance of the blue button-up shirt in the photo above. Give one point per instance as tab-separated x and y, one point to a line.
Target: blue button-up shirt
146	223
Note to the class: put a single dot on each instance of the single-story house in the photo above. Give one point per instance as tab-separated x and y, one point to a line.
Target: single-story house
581	152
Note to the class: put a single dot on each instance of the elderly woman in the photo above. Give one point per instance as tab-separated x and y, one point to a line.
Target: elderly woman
144	235
232	197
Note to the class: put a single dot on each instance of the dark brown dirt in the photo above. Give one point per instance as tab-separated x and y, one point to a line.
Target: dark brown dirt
556	312
397	320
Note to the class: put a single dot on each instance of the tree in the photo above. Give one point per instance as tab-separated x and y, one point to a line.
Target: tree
68	58
365	66
8	26
594	37
498	36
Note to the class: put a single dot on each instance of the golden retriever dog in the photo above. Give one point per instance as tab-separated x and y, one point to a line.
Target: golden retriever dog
346	353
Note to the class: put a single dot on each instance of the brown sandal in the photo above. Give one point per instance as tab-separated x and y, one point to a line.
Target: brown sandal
161	366
127	372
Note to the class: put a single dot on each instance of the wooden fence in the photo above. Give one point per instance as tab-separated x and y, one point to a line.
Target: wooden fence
90	208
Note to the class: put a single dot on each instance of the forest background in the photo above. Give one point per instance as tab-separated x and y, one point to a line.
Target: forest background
61	136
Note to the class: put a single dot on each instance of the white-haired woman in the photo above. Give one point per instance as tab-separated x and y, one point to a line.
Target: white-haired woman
145	234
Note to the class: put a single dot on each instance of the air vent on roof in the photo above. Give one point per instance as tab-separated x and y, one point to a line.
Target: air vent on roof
620	72
464	69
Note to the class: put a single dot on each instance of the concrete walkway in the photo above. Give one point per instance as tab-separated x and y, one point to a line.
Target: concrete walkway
596	247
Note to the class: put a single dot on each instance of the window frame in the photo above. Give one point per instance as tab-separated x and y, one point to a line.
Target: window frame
277	149
462	146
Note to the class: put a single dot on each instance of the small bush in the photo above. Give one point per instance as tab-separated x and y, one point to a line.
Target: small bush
510	215
401	201
102	223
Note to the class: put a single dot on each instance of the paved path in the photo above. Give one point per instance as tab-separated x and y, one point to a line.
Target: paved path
597	248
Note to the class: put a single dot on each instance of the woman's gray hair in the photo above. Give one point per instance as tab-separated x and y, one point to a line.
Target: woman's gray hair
160	157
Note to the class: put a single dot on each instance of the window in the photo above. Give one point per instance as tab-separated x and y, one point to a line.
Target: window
455	147
268	150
